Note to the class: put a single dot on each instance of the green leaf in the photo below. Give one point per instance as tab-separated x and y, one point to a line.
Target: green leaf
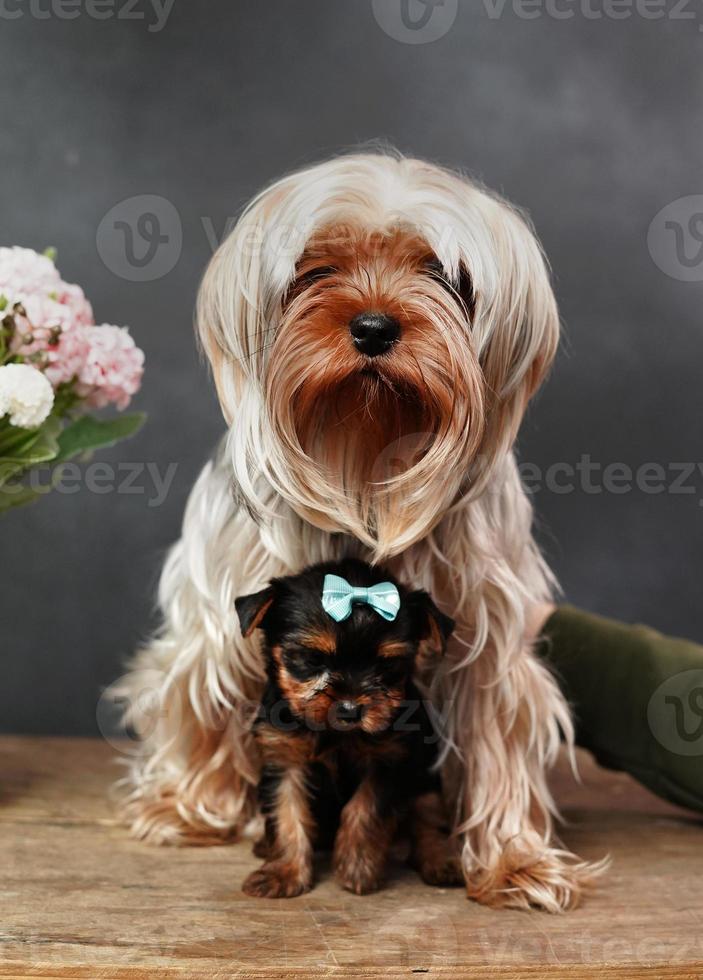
3	302
65	398
15	495
14	441
21	449
88	433
29	447
51	253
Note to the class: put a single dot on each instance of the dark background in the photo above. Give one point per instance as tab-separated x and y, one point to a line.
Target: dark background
593	125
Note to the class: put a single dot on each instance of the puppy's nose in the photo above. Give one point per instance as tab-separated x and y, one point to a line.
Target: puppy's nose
374	333
349	711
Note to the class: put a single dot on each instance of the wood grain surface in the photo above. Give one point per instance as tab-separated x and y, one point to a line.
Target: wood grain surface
79	898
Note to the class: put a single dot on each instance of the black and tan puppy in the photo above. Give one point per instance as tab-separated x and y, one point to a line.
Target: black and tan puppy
347	747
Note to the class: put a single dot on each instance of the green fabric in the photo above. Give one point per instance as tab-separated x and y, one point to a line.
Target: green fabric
637	698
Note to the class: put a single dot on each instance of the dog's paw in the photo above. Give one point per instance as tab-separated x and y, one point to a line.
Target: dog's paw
276	880
445	871
553	880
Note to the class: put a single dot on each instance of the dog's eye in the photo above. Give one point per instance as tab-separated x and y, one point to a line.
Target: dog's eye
463	288
320	272
435	268
310	276
305	664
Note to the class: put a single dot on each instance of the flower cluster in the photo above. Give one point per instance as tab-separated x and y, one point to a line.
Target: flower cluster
47	327
25	395
55	365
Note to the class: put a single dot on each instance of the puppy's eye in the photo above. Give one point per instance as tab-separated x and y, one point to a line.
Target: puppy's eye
393	673
305	664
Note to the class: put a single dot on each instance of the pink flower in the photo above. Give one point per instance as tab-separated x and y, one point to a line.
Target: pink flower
34	281
49	337
56	332
27	340
113	368
65	307
44	312
73	298
66	359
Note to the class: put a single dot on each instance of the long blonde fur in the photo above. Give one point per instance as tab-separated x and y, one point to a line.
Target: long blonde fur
454	520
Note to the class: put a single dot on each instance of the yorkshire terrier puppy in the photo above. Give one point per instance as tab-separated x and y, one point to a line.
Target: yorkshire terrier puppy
347	748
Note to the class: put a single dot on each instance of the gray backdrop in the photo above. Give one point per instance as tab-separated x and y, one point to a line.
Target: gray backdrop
592	123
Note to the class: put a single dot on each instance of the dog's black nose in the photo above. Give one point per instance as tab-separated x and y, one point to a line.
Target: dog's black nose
374	333
348	712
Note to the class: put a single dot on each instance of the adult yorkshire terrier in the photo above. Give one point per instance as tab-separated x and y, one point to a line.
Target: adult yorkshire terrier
376	327
347	747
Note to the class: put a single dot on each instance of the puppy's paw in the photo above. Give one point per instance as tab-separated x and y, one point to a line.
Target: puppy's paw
263	848
276	880
358	876
445	871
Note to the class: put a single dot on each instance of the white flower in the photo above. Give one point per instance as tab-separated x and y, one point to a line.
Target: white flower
25	395
24	272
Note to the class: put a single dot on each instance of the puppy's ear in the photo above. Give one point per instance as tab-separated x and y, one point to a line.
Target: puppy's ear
252	609
435	628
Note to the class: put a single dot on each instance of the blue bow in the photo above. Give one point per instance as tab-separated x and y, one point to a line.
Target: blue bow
338	596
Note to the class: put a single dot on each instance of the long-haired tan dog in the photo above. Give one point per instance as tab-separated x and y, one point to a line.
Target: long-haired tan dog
376	327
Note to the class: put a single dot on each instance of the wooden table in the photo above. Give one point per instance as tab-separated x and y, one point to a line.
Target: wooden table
78	898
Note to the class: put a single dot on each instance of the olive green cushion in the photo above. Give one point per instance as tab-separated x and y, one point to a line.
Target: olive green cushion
637	698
